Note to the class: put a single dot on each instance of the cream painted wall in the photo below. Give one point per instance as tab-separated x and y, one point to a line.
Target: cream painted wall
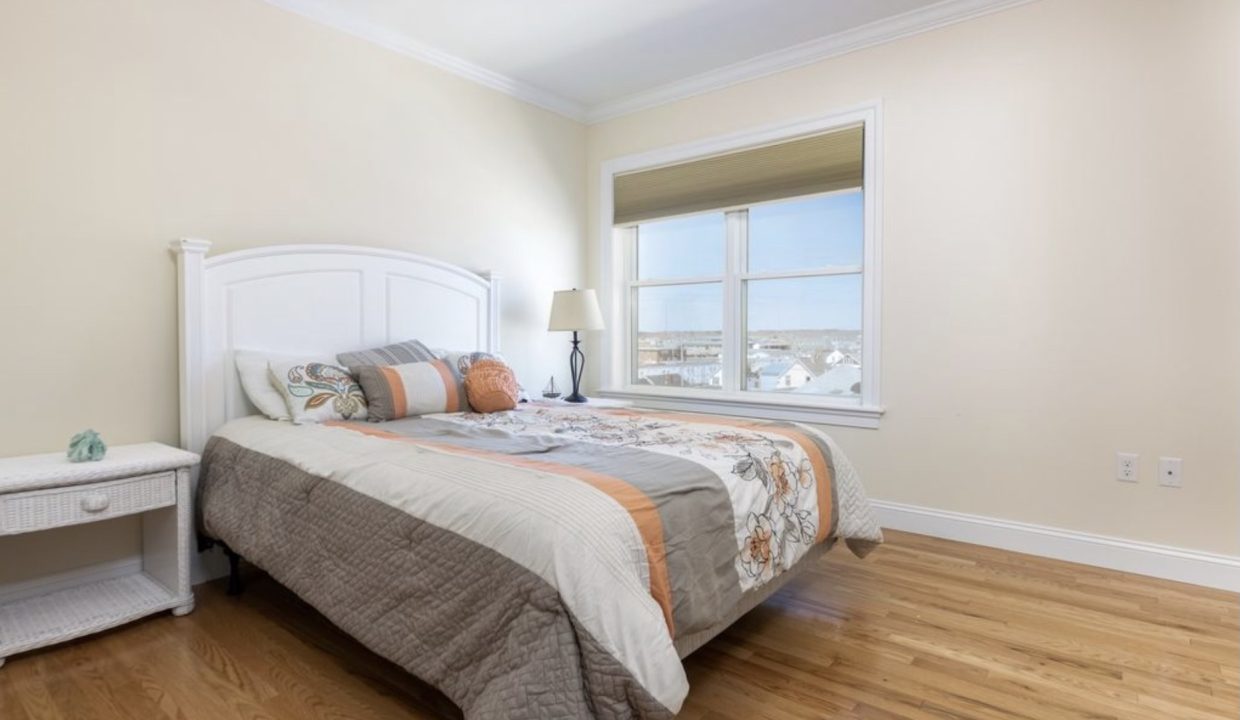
1061	275
1060	272
129	123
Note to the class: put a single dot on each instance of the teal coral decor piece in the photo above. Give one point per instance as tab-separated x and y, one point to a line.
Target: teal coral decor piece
86	445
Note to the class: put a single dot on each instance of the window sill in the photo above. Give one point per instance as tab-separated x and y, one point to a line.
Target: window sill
778	408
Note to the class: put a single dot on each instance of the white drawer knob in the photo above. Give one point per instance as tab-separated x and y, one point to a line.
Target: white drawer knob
98	502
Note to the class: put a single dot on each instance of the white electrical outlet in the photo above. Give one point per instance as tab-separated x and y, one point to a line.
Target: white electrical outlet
1169	472
1126	467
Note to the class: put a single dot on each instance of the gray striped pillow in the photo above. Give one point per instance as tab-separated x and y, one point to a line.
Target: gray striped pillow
420	388
399	353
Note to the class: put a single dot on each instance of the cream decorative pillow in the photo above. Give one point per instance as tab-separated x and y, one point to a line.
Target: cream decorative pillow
463	360
252	370
315	392
417	388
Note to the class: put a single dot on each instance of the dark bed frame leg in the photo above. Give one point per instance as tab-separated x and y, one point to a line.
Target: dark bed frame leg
234	571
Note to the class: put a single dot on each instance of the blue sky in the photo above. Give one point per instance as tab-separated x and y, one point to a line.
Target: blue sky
813	232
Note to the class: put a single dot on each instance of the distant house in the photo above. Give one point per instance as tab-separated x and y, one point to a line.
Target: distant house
843	379
682	374
837	357
782	375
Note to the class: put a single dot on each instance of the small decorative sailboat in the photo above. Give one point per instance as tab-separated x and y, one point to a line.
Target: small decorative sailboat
551	392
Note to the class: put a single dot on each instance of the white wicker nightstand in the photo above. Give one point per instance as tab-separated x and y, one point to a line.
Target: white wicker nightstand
40	492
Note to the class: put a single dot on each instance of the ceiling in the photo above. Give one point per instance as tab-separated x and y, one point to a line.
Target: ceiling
593	59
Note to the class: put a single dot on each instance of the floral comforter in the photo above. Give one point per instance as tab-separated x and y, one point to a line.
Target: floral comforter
785	481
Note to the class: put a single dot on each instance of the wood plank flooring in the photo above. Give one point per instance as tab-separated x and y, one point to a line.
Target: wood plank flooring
924	629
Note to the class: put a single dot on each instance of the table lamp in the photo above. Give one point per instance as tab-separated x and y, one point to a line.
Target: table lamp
575	310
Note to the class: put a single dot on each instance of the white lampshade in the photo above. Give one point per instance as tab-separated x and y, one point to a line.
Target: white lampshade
575	310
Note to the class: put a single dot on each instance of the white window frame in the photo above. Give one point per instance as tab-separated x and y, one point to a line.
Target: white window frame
619	275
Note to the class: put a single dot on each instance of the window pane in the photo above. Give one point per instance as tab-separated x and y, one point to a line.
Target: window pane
804	335
806	233
680	336
690	246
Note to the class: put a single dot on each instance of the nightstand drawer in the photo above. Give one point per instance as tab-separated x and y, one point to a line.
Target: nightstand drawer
56	507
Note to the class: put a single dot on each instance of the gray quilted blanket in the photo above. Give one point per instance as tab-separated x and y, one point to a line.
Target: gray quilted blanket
537	563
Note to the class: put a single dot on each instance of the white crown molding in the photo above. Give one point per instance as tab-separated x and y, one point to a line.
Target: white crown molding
1160	561
397	42
875	33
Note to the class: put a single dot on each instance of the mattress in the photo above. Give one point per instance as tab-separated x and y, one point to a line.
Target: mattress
545	562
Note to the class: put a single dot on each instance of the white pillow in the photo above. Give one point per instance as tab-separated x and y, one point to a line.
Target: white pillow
316	392
252	368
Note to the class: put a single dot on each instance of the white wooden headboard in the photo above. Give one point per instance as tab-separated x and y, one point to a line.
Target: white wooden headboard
315	300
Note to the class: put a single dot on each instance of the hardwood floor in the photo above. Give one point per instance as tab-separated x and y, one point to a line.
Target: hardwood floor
924	629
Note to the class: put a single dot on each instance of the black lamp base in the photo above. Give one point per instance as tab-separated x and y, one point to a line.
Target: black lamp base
576	363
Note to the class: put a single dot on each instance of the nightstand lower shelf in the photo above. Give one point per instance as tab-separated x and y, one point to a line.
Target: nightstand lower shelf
33	622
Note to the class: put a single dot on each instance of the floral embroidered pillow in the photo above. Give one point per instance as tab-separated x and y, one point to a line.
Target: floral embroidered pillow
316	392
464	360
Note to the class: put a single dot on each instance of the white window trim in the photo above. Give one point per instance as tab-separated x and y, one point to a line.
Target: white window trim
617	260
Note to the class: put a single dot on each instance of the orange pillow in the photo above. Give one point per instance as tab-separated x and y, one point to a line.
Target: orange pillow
491	386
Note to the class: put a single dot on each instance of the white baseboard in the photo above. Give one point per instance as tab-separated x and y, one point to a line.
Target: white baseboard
70	578
1161	561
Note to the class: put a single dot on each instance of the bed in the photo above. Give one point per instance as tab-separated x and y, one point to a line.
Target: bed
544	562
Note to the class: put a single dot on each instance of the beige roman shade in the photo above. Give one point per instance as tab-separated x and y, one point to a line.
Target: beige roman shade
814	164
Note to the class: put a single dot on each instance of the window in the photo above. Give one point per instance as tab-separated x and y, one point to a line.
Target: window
678	302
744	281
799	278
801	288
